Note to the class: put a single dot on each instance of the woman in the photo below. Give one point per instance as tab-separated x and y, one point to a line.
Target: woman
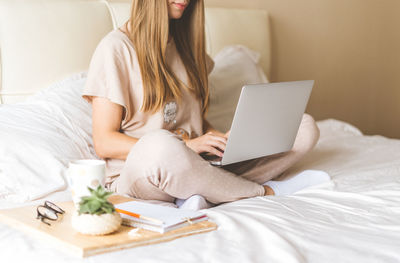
148	85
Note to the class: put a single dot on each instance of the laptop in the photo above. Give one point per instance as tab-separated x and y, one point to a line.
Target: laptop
266	121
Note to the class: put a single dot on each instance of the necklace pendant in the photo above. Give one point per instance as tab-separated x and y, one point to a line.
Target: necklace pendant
170	111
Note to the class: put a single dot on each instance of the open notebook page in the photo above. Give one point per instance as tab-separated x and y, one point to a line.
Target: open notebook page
169	215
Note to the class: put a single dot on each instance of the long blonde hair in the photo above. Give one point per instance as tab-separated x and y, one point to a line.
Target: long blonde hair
150	29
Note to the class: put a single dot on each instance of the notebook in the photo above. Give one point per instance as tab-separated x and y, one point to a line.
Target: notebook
169	218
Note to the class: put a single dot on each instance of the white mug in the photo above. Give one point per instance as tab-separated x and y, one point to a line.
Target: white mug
82	174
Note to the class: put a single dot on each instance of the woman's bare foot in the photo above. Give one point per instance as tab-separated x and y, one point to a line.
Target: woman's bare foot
268	190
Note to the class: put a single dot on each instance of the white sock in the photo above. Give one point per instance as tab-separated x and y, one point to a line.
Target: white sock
300	181
195	202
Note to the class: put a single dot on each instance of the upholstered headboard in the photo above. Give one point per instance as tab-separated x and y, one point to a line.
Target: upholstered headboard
43	41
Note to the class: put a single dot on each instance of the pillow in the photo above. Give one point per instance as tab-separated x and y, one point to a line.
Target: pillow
40	136
235	66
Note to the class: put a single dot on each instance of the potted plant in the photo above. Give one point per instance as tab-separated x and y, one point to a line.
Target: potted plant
96	215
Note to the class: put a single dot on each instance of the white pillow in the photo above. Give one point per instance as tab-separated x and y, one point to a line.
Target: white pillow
235	66
39	137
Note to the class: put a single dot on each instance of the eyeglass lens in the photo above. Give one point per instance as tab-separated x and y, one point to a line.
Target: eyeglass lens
48	211
54	207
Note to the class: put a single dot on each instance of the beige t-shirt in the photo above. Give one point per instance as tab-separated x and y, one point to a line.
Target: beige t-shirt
114	73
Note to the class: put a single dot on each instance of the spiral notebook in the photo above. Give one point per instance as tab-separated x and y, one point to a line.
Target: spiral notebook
157	217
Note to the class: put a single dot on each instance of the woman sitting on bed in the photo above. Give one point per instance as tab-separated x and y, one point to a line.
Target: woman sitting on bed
148	86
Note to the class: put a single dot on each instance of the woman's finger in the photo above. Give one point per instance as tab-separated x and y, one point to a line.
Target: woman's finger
215	143
213	150
216	137
221	139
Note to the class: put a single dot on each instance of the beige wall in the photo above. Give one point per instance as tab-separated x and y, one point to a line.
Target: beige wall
350	47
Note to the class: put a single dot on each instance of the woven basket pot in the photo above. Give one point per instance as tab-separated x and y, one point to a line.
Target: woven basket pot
96	224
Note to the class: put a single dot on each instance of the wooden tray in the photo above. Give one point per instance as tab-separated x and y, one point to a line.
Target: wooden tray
66	238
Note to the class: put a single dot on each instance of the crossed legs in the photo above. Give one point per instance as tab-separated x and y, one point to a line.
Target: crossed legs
161	167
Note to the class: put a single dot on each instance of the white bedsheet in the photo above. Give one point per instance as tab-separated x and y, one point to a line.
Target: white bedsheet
354	218
39	137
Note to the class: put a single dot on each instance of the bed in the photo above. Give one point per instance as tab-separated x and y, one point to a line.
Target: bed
353	218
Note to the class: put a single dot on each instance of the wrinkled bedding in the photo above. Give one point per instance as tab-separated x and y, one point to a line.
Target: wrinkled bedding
40	136
353	218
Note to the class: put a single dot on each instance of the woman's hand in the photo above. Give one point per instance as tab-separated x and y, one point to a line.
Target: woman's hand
208	143
218	133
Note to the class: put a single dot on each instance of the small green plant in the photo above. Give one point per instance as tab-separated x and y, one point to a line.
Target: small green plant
96	203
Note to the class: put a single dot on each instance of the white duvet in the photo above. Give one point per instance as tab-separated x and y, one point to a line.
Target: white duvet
354	218
39	137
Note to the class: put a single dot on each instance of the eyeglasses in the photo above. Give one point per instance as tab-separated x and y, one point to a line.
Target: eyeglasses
48	211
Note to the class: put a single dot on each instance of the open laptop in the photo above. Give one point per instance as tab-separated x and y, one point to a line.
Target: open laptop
266	120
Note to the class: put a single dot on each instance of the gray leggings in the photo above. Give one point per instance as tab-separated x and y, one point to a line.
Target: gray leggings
161	167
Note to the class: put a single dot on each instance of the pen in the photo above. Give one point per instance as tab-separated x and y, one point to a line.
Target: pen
139	216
